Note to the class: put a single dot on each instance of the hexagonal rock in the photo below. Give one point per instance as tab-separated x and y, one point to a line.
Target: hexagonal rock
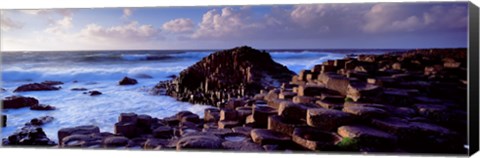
272	94
115	141
332	97
126	129
286	95
227	124
242	146
367	137
243	113
79	140
293	111
275	103
363	91
218	132
329	105
260	115
228	115
211	115
327	119
163	132
303	99
128	117
315	139
303	74
335	82
280	124
210	125
199	141
264	136
310	90
79	130
365	112
144	122
242	130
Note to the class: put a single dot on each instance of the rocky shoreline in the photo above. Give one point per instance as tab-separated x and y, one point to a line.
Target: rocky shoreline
401	102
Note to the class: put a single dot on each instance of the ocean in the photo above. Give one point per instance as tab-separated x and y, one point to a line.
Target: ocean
101	70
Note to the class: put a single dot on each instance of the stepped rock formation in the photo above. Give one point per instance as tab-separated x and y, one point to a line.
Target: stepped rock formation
238	72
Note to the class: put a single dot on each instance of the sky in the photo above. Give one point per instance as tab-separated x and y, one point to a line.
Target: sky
303	26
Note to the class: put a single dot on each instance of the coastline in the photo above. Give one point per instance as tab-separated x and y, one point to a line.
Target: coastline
302	107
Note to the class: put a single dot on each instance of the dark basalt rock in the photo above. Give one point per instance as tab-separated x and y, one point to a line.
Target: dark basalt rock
42	107
80	130
237	72
36	87
79	89
52	83
4	120
199	141
127	81
15	102
31	134
93	93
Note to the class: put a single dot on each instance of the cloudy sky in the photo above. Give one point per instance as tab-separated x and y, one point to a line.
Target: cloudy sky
373	25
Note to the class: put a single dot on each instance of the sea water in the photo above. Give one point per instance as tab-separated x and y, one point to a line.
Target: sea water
101	71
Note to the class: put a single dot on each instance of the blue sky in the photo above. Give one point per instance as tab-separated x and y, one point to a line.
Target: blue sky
368	25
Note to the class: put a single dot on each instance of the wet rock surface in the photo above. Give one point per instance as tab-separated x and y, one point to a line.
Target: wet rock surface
15	102
127	81
44	86
31	134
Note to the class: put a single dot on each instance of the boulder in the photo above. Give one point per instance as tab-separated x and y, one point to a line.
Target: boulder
329	104
15	102
42	107
79	89
40	121
35	87
200	141
315	139
264	136
94	93
275	103
127	81
79	130
243	113
283	125
234	103
328	119
153	143
128	117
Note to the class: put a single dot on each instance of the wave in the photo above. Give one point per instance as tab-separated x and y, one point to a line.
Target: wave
87	74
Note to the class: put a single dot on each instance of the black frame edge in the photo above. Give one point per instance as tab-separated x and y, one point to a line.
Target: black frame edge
473	52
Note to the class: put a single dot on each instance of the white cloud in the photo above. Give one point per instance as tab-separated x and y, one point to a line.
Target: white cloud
182	25
63	12
131	32
127	12
60	26
7	24
392	17
229	22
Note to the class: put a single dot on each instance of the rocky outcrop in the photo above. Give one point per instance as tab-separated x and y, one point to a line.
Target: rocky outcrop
42	107
31	134
44	86
238	72
15	102
4	120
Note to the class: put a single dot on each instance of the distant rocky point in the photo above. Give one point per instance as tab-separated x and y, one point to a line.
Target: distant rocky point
238	72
